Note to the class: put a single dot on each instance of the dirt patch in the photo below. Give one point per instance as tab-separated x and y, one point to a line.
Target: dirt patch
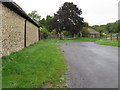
47	85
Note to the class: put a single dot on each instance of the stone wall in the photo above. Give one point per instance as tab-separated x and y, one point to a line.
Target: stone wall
13	32
31	33
0	29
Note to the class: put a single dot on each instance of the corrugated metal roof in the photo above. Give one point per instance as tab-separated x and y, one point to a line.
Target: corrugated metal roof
17	9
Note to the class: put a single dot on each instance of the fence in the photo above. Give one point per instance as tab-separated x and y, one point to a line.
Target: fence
58	37
112	36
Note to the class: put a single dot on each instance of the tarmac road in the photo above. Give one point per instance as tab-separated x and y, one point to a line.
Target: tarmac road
90	65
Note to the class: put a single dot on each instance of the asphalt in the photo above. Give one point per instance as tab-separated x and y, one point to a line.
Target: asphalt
90	65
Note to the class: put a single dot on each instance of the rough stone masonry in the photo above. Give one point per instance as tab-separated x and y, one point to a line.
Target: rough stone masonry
17	30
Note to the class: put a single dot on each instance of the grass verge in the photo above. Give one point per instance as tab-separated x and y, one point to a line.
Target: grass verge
40	64
108	43
34	66
95	40
77	40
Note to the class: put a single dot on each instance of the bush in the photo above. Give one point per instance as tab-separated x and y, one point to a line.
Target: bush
47	33
85	32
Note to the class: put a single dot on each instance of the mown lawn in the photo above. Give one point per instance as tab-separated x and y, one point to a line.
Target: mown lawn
100	41
34	66
108	42
77	40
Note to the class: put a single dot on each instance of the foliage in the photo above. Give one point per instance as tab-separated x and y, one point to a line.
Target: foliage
35	16
66	33
100	29
85	32
34	66
86	24
42	22
46	33
45	22
108	28
67	18
53	32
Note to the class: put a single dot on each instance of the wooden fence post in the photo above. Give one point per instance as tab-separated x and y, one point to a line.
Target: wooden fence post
106	36
111	36
117	36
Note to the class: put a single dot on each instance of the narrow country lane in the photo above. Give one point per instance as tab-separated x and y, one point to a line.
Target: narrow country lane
90	65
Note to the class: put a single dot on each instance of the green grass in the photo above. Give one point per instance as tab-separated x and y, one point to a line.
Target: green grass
77	40
95	40
39	64
0	74
108	42
34	66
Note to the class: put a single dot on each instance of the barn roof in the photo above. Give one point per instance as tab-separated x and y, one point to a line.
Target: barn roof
17	9
92	31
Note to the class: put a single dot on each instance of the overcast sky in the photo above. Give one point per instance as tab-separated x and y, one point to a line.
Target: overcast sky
95	12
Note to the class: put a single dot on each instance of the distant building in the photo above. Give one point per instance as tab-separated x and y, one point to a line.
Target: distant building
93	33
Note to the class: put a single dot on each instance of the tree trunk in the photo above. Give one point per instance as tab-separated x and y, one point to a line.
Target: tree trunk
73	36
80	34
60	36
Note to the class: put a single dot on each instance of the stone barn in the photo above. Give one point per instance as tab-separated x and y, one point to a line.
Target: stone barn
17	29
93	33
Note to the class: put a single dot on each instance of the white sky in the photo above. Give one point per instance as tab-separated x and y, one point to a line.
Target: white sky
95	12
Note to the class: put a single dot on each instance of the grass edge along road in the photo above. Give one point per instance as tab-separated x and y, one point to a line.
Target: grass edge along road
34	66
108	42
100	41
39	64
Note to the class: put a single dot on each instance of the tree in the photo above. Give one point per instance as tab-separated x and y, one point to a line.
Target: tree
108	28
67	18
45	22
42	22
85	32
35	16
118	27
86	24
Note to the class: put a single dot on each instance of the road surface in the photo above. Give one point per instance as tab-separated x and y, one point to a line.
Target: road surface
90	65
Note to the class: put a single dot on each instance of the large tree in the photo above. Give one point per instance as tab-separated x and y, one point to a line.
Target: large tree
67	18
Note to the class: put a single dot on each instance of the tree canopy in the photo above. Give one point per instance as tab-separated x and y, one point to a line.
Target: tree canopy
35	16
45	21
42	22
67	18
108	28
